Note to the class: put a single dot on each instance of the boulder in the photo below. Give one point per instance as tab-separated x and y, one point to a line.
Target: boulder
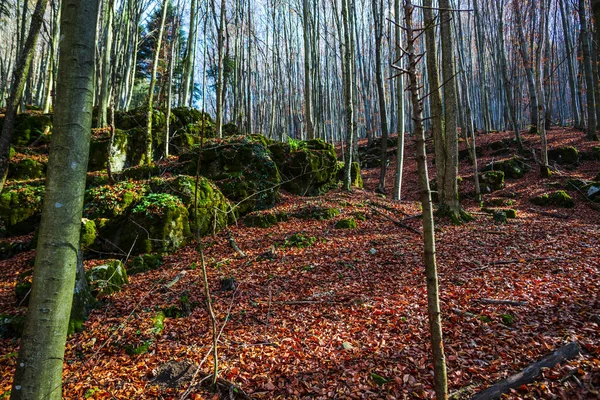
241	167
514	167
213	209
20	209
346	223
260	219
307	168
26	169
109	201
118	159
107	278
560	198
31	127
564	155
491	181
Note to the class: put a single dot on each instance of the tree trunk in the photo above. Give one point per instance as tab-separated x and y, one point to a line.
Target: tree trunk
20	74
39	366
433	303
149	146
188	69
589	77
106	66
346	50
400	107
308	100
378	25
220	80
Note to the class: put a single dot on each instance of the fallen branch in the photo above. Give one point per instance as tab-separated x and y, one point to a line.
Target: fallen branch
529	374
396	222
504	262
507	302
235	246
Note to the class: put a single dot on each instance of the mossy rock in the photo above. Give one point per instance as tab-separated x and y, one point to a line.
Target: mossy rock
464	154
109	201
299	240
500	216
575	184
230	129
307	168
26	169
144	262
119	158
30	127
210	202
11	326
497	202
355	174
10	249
264	219
491	181
498	145
88	233
511	213
560	198
21	208
564	155
141	172
107	278
242	168
346	223
317	213
512	167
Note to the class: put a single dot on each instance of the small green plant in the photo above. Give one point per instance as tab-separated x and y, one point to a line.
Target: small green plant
308	267
155	204
485	319
91	392
508	319
295	144
299	240
135	350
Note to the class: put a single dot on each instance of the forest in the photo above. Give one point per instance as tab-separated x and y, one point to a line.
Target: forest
299	199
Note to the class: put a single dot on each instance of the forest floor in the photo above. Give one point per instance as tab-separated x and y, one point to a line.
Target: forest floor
346	318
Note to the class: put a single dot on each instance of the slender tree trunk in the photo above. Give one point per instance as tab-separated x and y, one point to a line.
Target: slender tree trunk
149	146
378	25
433	303
308	65
106	65
188	80
20	74
39	366
589	77
399	105
220	80
346	50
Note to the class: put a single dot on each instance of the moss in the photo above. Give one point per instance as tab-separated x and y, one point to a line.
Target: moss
299	240
136	350
30	127
559	198
20	208
88	232
497	202
511	213
508	319
261	220
355	174
491	181
143	263
214	210
501	217
307	168
107	278
158	322
11	326
575	184
360	216
346	223
141	172
564	155
241	168
11	152
317	213
230	129
512	167
27	169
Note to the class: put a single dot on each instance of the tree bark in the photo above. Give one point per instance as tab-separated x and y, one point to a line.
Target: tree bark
39	366
378	25
589	78
400	106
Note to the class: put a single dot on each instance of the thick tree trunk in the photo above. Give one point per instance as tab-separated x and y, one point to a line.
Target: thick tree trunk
433	303
39	367
308	99
20	75
589	77
188	69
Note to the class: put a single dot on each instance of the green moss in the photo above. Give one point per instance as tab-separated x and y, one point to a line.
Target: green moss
143	263
214	210
26	169
360	216
230	129
260	220
88	232
158	322
107	278
30	127
511	213
559	198
501	217
299	240
508	319
512	167
491	181
346	223
11	152
136	350
20	208
317	213
355	174
564	155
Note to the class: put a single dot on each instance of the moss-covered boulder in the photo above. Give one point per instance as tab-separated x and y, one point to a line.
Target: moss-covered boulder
213	209
560	198
261	219
27	168
316	212
491	181
144	262
355	174
119	158
230	129
109	201
307	168
564	155
31	127
511	213
241	167
107	278
514	167
346	223
159	223
20	209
